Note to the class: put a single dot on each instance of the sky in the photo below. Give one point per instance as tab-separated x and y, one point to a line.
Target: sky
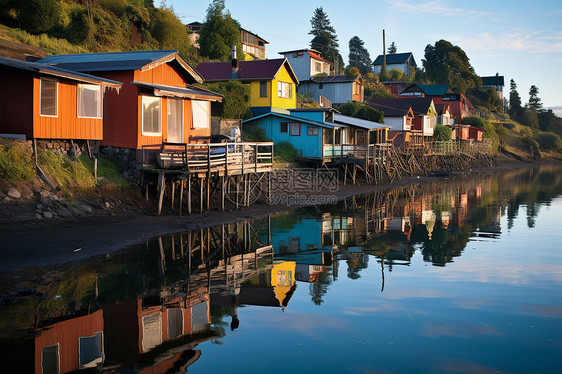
521	40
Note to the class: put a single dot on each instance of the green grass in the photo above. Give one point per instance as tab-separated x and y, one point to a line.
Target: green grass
109	170
50	45
285	152
67	173
16	162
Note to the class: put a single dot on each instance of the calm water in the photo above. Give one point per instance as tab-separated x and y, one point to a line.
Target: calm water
461	276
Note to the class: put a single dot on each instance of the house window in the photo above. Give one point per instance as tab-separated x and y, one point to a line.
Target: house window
151	331
284	127
50	359
199	318
91	350
175	323
285	90
201	111
295	129
263	89
48	98
318	67
320	86
151	116
89	100
175	120
312	131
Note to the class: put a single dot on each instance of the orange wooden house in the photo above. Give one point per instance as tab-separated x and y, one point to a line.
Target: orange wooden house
70	345
157	103
39	101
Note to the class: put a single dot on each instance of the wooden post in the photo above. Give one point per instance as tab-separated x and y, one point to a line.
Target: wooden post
145	185
181	196
189	251
173	185
208	192
161	186
269	187
189	194
237	189
222	192
201	195
95	169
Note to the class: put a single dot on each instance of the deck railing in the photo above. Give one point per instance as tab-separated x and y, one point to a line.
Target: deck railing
228	157
368	152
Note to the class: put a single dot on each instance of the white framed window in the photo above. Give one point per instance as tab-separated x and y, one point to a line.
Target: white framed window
89	101
201	114
285	90
175	120
312	131
151	116
48	97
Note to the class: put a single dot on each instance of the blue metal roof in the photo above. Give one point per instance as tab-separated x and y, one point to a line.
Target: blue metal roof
57	72
107	61
328	125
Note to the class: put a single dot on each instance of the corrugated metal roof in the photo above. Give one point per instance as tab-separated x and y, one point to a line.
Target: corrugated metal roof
313	110
435	89
189	91
247	70
394	58
329	125
58	72
107	61
358	122
335	79
419	105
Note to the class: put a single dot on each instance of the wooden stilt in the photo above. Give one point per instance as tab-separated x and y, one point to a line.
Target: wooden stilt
189	251
208	191
161	185
237	190
181	196
222	193
173	185
201	195
188	194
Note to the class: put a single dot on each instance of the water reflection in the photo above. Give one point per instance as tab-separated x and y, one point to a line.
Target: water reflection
148	308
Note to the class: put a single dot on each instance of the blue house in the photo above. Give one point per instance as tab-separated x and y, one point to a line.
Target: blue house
307	131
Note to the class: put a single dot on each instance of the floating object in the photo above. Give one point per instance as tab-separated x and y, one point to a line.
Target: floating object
77	249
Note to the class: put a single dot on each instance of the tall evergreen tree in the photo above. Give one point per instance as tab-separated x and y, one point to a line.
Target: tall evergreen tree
219	33
359	56
448	64
534	100
392	49
515	108
325	39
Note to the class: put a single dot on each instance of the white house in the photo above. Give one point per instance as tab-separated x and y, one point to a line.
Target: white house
307	63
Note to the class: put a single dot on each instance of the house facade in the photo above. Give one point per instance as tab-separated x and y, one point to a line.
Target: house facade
339	89
496	82
273	83
157	102
48	102
253	45
307	63
401	61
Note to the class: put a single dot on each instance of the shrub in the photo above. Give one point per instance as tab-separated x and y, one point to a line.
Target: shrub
442	133
253	133
66	172
109	169
38	16
285	152
16	162
549	141
236	101
360	110
474	121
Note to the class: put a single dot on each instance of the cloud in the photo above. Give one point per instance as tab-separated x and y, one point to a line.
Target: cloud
459	330
537	42
435	8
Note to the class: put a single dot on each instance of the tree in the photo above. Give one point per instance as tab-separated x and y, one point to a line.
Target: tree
38	16
515	108
219	33
363	111
448	64
534	100
392	49
235	103
359	56
325	39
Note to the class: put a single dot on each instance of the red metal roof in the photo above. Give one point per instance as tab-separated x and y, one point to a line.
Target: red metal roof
317	56
248	70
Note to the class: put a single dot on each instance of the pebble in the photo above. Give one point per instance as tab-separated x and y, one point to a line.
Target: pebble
44	193
84	207
107	205
7	199
38	216
13	193
48	214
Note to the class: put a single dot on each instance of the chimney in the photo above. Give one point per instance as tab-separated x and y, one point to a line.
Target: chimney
234	63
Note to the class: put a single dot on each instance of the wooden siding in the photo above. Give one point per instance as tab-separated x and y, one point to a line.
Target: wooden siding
16	102
66	125
66	335
165	74
256	100
279	102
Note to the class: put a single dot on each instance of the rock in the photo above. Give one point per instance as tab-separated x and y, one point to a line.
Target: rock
38	216
63	212
7	199
107	205
13	193
48	214
40	206
84	207
44	193
75	211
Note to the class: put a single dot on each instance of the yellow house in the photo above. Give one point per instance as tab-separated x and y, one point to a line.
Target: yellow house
273	83
272	288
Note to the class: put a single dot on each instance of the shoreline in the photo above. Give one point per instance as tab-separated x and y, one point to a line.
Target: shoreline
36	243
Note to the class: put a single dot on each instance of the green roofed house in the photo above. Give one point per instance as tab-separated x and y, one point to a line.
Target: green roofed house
401	61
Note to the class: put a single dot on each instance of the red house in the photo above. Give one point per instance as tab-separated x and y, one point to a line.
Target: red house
40	101
157	103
